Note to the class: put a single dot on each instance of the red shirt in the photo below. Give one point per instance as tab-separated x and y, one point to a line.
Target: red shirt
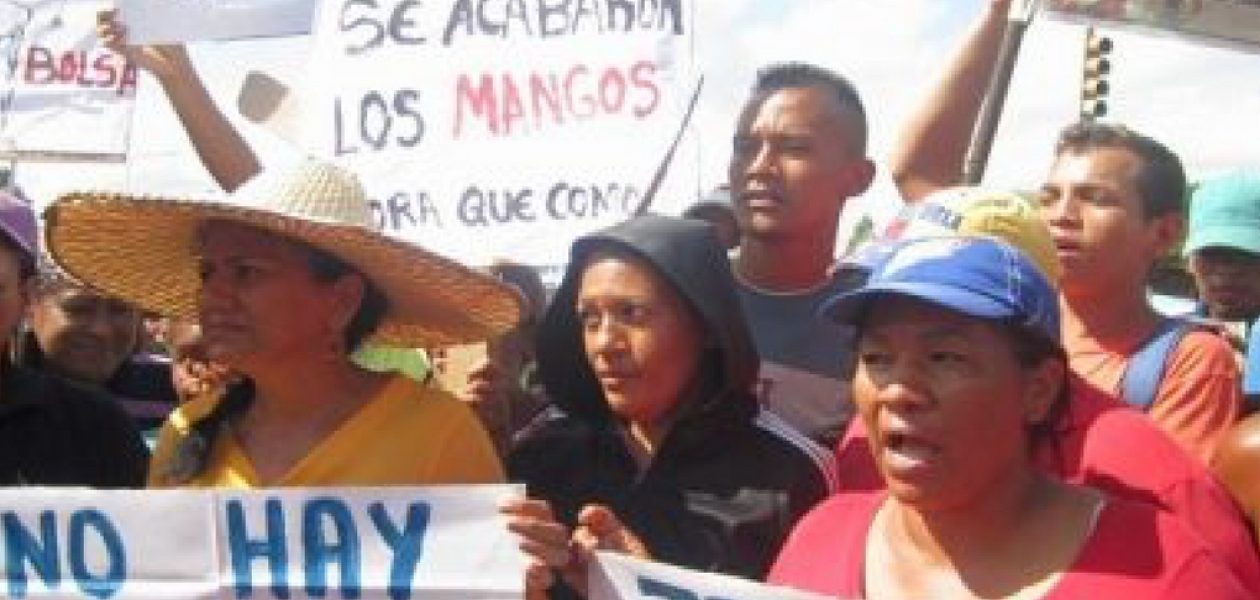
1134	551
1110	447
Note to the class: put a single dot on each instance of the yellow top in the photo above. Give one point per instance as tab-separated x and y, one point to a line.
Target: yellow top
407	435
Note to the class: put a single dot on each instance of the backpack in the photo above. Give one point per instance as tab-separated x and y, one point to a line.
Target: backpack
1251	369
1146	367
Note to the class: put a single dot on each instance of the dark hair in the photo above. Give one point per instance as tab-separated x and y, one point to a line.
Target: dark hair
1161	180
617	251
781	76
327	268
1031	349
528	283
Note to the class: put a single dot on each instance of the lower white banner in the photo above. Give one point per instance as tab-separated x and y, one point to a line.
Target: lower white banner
620	577
370	543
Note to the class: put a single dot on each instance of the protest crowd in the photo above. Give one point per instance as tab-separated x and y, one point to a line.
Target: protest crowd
981	402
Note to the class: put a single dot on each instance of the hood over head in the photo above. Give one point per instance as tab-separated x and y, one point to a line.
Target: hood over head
686	254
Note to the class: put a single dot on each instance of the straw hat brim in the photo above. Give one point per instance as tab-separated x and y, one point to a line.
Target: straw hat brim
143	250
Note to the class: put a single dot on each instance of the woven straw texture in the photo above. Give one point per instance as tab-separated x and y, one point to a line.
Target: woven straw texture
143	250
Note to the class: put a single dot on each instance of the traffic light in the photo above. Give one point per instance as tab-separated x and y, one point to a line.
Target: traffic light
1097	66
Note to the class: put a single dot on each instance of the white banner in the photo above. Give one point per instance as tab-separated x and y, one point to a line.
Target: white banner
166	21
500	129
1230	22
76	543
60	92
370	543
620	577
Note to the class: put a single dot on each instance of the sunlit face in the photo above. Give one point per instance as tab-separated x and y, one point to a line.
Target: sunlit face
1228	280
82	334
945	401
260	303
642	341
1102	236
793	164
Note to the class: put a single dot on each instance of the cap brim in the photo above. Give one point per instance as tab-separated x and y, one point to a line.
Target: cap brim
1242	236
849	309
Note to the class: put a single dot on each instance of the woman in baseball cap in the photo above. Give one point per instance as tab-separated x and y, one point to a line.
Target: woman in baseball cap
960	376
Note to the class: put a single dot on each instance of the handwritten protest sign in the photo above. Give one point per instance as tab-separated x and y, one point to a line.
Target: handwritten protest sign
620	577
499	129
370	543
60	92
165	21
1231	22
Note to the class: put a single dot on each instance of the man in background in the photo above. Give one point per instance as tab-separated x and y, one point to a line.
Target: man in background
1223	250
1114	202
52	432
82	335
798	155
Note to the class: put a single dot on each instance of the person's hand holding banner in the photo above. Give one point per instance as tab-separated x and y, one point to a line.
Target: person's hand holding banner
547	544
554	551
599	529
163	61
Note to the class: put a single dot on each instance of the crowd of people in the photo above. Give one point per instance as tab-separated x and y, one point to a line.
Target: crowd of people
980	403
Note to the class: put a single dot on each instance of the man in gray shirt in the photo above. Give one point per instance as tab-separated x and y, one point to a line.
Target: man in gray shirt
799	154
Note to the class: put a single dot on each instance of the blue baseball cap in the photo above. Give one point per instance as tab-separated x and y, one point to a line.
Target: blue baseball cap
977	276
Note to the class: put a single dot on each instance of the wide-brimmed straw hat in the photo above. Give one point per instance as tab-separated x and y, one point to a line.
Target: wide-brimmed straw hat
143	249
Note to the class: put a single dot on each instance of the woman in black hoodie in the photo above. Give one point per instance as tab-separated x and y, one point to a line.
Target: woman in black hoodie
646	353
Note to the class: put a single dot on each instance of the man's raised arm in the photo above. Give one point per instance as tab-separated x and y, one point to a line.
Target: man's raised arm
930	150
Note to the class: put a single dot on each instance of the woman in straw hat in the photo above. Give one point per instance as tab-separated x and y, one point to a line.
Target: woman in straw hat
286	279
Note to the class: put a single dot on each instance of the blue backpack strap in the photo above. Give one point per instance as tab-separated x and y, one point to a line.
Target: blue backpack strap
1146	367
1251	368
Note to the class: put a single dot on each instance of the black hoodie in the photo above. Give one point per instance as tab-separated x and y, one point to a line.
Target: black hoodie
55	432
729	480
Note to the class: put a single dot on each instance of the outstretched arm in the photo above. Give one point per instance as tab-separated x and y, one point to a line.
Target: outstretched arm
929	152
219	145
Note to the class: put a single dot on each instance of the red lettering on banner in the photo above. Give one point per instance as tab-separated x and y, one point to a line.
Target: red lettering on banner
507	104
79	68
